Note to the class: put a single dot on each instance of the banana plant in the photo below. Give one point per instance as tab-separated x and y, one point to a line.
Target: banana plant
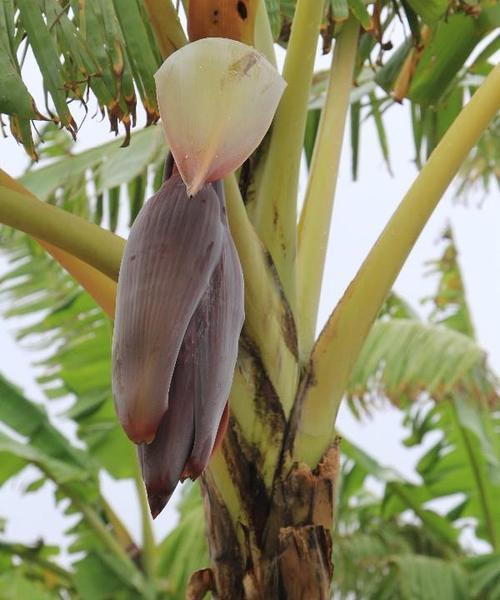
269	489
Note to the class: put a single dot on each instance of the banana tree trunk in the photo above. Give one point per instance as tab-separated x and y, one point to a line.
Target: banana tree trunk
266	543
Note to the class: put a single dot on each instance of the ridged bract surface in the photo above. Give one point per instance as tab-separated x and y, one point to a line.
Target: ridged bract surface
217	351
200	386
180	310
201	382
172	251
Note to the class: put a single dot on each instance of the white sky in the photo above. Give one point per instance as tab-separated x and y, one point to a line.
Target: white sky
361	211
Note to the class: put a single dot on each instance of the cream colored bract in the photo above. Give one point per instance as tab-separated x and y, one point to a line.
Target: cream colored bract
217	98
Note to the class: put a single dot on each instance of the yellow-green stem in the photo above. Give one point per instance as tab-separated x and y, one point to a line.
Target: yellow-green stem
276	205
148	540
219	471
100	287
90	243
314	226
263	34
342	338
267	319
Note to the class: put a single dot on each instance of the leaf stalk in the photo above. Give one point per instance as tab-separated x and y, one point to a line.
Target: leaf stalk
276	203
339	344
314	225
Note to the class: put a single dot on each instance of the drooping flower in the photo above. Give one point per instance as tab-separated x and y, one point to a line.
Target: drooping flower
178	321
180	300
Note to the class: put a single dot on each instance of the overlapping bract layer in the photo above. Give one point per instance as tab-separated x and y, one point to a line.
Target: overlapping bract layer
200	386
170	255
178	320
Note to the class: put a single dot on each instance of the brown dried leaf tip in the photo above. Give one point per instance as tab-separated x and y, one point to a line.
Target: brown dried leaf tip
178	319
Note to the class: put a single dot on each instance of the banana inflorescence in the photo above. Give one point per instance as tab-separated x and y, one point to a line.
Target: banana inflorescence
180	299
178	319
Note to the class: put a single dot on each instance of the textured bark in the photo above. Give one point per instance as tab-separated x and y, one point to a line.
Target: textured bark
280	547
309	546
